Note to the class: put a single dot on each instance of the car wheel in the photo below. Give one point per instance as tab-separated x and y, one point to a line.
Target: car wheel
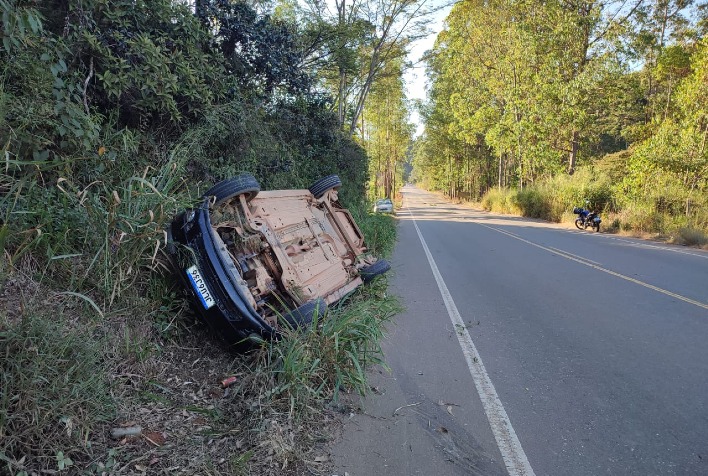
227	189
368	273
305	314
323	185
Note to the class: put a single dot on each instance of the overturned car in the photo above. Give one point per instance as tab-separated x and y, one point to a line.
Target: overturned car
253	261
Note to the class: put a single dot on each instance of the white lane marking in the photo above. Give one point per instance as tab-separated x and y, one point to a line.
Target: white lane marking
509	446
567	255
571	254
637	244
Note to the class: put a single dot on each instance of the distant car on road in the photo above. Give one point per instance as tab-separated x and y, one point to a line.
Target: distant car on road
252	261
384	205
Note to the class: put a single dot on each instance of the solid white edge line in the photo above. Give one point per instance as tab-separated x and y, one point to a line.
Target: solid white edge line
509	446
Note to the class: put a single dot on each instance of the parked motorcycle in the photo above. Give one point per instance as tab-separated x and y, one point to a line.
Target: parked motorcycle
587	218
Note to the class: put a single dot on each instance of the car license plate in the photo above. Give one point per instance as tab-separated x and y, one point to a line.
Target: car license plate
200	286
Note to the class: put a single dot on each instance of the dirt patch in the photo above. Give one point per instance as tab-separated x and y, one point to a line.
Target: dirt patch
203	410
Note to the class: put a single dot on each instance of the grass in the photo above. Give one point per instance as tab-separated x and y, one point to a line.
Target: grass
311	366
54	393
378	228
666	213
691	237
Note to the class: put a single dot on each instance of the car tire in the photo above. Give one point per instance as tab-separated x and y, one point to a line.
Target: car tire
323	185
227	189
368	273
305	314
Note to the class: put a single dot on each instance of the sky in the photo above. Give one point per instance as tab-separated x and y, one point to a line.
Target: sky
415	77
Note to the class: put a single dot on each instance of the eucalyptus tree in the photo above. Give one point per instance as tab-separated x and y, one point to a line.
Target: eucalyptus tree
677	153
387	131
526	77
352	42
660	31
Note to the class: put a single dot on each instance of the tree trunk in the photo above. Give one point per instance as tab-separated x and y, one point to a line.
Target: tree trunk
573	153
499	184
342	88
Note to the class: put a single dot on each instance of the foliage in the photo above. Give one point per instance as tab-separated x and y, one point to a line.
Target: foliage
351	48
522	90
387	133
379	229
260	51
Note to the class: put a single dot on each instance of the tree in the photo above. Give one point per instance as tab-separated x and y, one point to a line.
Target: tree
352	45
525	76
386	132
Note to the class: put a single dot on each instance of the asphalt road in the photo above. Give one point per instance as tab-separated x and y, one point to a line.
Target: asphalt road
532	348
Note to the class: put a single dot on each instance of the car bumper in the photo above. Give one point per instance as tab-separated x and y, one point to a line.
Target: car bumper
211	278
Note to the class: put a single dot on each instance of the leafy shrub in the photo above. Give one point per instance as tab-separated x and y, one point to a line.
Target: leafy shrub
553	199
533	203
692	237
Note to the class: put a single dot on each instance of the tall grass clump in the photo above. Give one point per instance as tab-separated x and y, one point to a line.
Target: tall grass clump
379	229
500	200
553	199
661	203
316	364
563	192
653	202
54	390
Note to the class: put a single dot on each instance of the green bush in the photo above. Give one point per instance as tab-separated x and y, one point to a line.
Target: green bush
691	237
554	199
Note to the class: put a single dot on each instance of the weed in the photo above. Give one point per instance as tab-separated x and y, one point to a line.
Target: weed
691	237
315	365
53	392
239	463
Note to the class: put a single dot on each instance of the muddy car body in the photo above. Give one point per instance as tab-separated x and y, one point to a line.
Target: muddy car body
253	260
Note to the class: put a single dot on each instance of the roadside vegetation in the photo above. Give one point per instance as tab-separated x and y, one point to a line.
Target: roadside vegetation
115	115
537	106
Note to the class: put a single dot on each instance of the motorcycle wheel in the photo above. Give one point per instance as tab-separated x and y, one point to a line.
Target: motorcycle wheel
597	228
579	223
